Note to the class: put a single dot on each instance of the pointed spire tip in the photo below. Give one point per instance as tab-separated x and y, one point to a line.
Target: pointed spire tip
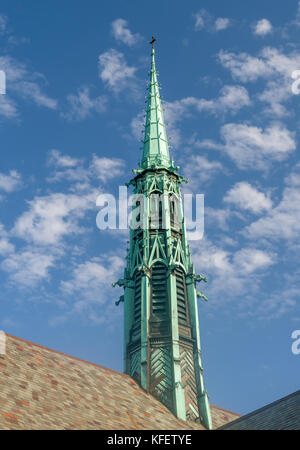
152	42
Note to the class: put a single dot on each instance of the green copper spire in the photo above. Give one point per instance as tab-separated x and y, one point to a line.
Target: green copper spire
155	148
161	329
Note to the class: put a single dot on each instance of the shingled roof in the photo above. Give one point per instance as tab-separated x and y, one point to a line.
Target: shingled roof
45	389
283	414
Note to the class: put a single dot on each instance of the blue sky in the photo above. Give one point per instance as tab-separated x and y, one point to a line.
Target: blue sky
69	129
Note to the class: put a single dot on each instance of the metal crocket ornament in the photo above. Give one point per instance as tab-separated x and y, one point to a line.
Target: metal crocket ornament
161	330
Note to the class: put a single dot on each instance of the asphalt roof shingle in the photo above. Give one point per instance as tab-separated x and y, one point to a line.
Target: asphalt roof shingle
45	389
283	414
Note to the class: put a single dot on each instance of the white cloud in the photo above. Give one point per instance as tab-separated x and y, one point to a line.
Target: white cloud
28	267
94	277
225	264
204	20
252	147
10	182
199	170
122	33
231	98
245	67
3	24
14	70
31	90
262	27
53	217
81	105
5	246
222	23
249	260
200	19
91	286
271	65
283	221
8	107
114	71
217	218
233	276
70	169
21	82
245	196
267	64
84	174
58	160
106	168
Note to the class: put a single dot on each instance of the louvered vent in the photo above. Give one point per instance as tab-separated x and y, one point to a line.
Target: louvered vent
137	298
159	291
181	297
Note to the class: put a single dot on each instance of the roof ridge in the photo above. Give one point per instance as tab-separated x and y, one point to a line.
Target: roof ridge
66	354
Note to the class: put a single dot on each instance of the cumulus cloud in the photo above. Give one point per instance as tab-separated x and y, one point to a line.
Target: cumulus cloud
201	17
262	27
28	267
271	65
121	32
83	173
106	168
22	83
57	159
222	23
90	287
244	196
114	71
10	182
233	266
205	21
94	277
52	217
5	246
231	98
249	260
234	275
32	91
8	108
199	170
81	105
254	147
283	221
218	218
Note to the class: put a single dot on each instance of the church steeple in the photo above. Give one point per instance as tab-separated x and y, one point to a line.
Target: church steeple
155	144
161	330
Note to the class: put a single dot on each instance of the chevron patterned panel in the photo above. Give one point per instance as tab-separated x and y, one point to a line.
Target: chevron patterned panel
135	365
161	382
188	380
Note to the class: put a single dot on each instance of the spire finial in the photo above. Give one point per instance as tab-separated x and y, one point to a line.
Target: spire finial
155	148
152	42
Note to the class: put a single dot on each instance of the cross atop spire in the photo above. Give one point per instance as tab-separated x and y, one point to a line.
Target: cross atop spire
153	41
155	144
